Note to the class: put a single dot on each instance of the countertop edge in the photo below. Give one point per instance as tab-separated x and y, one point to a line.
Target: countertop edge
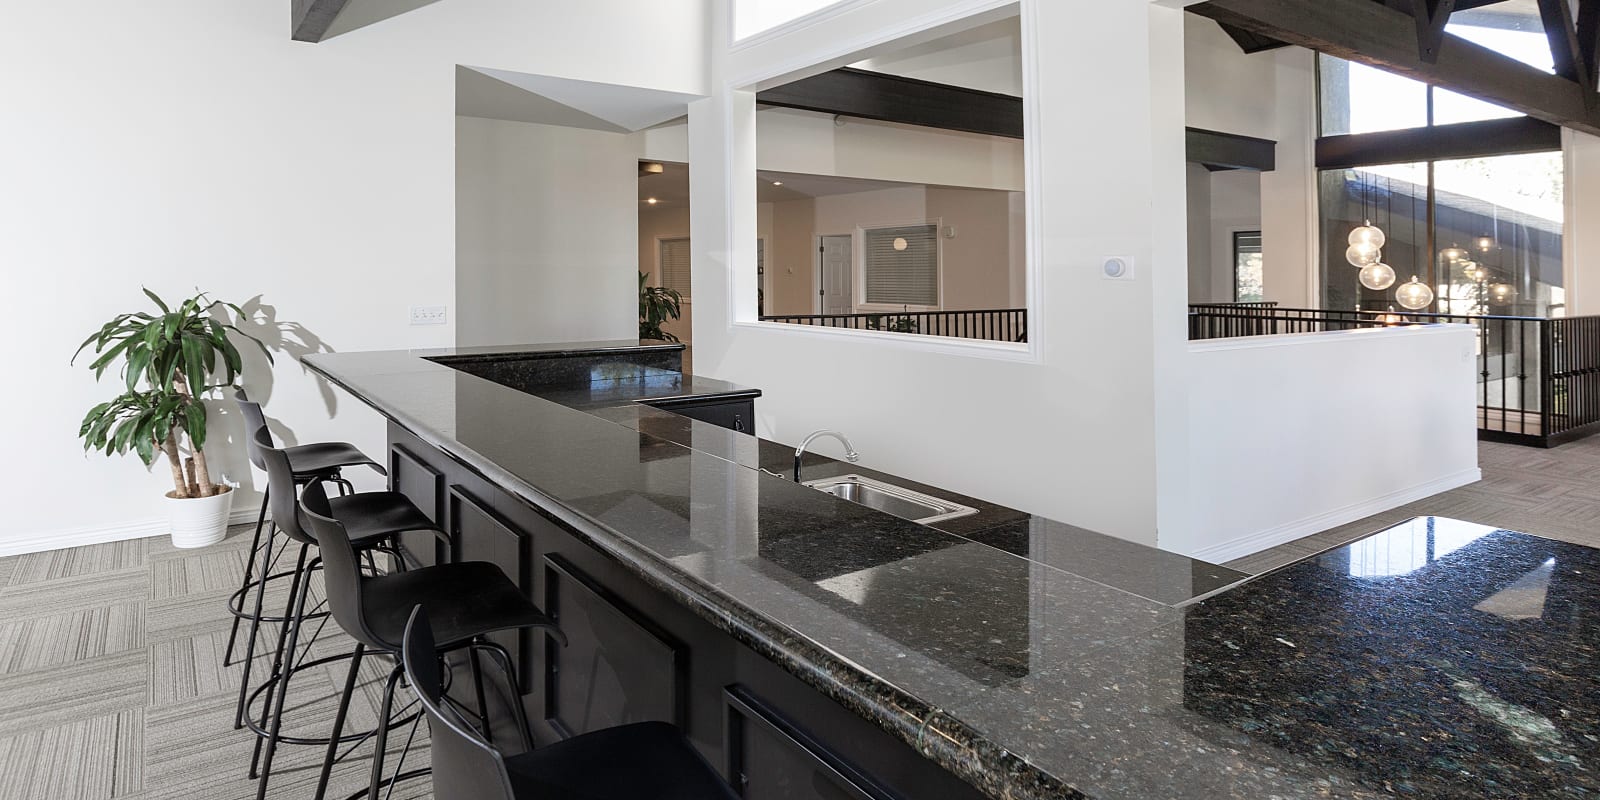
953	745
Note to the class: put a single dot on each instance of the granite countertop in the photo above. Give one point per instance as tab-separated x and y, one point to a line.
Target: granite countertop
1034	659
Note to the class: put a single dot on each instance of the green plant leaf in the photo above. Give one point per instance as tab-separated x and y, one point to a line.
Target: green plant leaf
155	299
195	424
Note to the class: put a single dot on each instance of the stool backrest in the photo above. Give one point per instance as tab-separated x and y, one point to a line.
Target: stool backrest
464	765
341	567
254	420
281	487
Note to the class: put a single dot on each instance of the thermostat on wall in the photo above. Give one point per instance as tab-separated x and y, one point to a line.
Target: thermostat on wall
1117	268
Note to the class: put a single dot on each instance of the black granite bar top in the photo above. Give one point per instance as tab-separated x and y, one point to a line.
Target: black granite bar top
1034	660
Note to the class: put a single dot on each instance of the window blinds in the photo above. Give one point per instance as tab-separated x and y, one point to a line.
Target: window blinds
675	265
907	275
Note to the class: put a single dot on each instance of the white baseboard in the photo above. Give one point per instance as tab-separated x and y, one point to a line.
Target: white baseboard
1248	544
100	534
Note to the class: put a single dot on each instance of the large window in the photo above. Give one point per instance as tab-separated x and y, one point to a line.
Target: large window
900	266
1483	228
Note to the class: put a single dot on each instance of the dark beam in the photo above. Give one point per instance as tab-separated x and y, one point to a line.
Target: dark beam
1556	16
1431	16
1440	142
1588	35
310	19
1251	43
1374	34
892	98
1219	150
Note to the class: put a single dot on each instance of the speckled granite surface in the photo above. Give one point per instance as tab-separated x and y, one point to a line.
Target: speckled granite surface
1436	660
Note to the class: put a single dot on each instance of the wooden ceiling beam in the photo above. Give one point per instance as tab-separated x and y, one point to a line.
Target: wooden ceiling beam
311	19
1375	34
1430	17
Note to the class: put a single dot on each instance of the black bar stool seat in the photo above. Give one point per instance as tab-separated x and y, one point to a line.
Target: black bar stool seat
641	761
473	597
660	765
370	515
322	459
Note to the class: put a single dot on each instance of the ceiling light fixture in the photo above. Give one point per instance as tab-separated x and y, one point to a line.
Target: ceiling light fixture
652	201
777	183
1414	294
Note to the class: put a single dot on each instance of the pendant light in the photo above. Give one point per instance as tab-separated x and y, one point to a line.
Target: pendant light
1366	244
1377	276
1502	293
1414	294
1363	255
1452	254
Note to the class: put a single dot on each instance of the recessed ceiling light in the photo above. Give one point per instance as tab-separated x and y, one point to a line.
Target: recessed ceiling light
777	183
652	201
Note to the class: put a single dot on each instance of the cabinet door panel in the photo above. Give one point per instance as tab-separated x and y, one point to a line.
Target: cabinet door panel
616	668
480	534
770	758
424	485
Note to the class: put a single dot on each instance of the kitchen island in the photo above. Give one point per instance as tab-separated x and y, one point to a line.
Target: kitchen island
812	647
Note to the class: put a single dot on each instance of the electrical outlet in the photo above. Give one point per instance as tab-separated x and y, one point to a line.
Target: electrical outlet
427	315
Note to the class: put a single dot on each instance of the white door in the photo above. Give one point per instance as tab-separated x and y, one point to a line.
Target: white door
837	281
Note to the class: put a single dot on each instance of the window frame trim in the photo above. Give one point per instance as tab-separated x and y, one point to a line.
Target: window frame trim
659	275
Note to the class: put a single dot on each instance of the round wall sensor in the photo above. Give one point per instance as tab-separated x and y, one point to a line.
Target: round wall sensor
1115	268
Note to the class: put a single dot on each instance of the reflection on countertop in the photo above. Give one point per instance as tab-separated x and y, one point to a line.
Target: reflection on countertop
1037	660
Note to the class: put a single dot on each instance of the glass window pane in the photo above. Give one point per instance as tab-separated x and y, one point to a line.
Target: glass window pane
1450	107
1512	28
1360	99
1506	213
1394	198
1247	285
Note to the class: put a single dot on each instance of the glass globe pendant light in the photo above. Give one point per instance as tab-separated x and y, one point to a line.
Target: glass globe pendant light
1367	234
1452	254
1501	293
1363	255
1414	294
1377	276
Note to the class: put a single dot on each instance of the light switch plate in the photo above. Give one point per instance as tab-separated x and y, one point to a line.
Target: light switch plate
428	315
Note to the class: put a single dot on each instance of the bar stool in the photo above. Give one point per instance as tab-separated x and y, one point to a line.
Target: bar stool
641	761
320	461
471	599
382	517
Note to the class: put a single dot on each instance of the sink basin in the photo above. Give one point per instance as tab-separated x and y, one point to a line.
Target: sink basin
890	499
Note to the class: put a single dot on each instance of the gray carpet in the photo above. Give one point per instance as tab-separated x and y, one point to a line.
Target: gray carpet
112	684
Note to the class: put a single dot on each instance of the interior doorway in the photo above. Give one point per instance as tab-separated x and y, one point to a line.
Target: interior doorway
835	284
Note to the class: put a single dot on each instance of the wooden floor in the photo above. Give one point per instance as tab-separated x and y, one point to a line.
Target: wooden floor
1554	493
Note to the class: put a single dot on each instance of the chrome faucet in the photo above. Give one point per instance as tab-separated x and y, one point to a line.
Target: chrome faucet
850	453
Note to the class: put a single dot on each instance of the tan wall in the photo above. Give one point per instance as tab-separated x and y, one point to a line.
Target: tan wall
790	258
977	261
664	223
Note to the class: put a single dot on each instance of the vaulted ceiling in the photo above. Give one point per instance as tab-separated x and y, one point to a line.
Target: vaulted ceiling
1408	37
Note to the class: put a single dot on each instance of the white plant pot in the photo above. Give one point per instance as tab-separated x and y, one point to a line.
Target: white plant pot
199	521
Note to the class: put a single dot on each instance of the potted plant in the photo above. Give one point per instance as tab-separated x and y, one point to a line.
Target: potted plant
170	362
657	305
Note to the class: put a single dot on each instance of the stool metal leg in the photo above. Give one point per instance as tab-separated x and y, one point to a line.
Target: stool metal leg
338	721
255	625
518	713
477	688
260	767
249	564
381	739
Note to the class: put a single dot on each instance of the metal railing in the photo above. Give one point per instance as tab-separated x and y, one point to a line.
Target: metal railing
998	325
1538	377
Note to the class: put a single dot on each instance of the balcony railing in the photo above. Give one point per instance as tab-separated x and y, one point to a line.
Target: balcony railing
998	325
1538	377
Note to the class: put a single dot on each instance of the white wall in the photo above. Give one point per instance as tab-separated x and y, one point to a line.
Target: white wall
654	224
546	233
1292	435
1081	426
1269	95
1235	206
173	144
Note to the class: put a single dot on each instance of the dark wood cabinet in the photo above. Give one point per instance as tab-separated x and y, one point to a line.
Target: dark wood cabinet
617	667
635	654
424	485
733	413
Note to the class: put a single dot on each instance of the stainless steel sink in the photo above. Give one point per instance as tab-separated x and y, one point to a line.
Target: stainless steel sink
890	499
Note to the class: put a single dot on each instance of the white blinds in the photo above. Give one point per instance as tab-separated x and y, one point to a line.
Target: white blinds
902	265
675	265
